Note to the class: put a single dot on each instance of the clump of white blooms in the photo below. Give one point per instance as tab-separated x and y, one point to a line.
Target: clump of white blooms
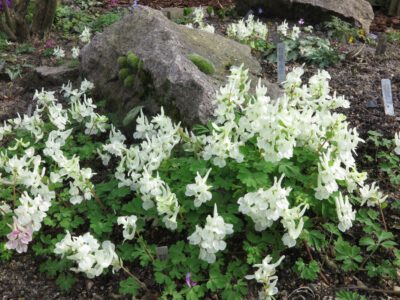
58	52
198	21
138	163
210	239
85	250
266	276
75	52
294	33
265	207
246	31
200	190
371	195
129	226
85	35
345	212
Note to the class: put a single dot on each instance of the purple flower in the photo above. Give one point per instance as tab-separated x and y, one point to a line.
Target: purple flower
8	2
189	282
19	237
49	44
301	21
260	11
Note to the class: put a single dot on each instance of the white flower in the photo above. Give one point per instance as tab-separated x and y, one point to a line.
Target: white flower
86	252
265	206
86	85
129	225
294	35
211	238
75	52
85	35
371	195
266	275
345	212
283	28
200	190
58	52
248	30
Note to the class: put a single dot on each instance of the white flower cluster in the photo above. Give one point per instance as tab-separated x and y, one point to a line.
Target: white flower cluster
266	276
58	52
211	238
301	117
85	35
248	30
29	170
139	162
198	21
265	207
199	189
293	34
26	171
85	250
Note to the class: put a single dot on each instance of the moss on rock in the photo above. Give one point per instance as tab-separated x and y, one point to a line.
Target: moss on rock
202	63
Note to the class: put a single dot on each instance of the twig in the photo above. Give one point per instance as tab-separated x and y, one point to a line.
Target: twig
364	288
323	277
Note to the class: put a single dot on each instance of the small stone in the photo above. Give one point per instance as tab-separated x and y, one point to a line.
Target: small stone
89	284
371	104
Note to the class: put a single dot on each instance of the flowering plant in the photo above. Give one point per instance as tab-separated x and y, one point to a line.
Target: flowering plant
77	191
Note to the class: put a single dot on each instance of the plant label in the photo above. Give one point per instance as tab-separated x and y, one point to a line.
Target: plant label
387	97
162	252
281	56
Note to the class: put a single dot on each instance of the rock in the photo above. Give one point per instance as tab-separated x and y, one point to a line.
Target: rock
173	13
356	11
172	80
56	76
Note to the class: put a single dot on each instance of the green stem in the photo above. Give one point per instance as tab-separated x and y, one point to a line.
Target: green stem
142	284
146	249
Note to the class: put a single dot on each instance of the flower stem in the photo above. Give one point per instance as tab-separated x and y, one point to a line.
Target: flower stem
142	284
383	217
146	249
98	200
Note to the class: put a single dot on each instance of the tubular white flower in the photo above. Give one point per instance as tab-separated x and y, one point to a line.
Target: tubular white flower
200	190
345	212
210	239
129	226
371	195
266	275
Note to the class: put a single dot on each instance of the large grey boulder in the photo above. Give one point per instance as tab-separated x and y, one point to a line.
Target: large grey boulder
175	82
356	11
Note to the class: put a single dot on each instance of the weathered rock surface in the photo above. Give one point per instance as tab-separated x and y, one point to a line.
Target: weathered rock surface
356	11
176	83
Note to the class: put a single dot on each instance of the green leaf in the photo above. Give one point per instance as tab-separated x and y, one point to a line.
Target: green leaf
65	281
129	287
308	272
369	242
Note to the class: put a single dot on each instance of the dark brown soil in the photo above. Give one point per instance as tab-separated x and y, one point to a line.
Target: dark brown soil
357	78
